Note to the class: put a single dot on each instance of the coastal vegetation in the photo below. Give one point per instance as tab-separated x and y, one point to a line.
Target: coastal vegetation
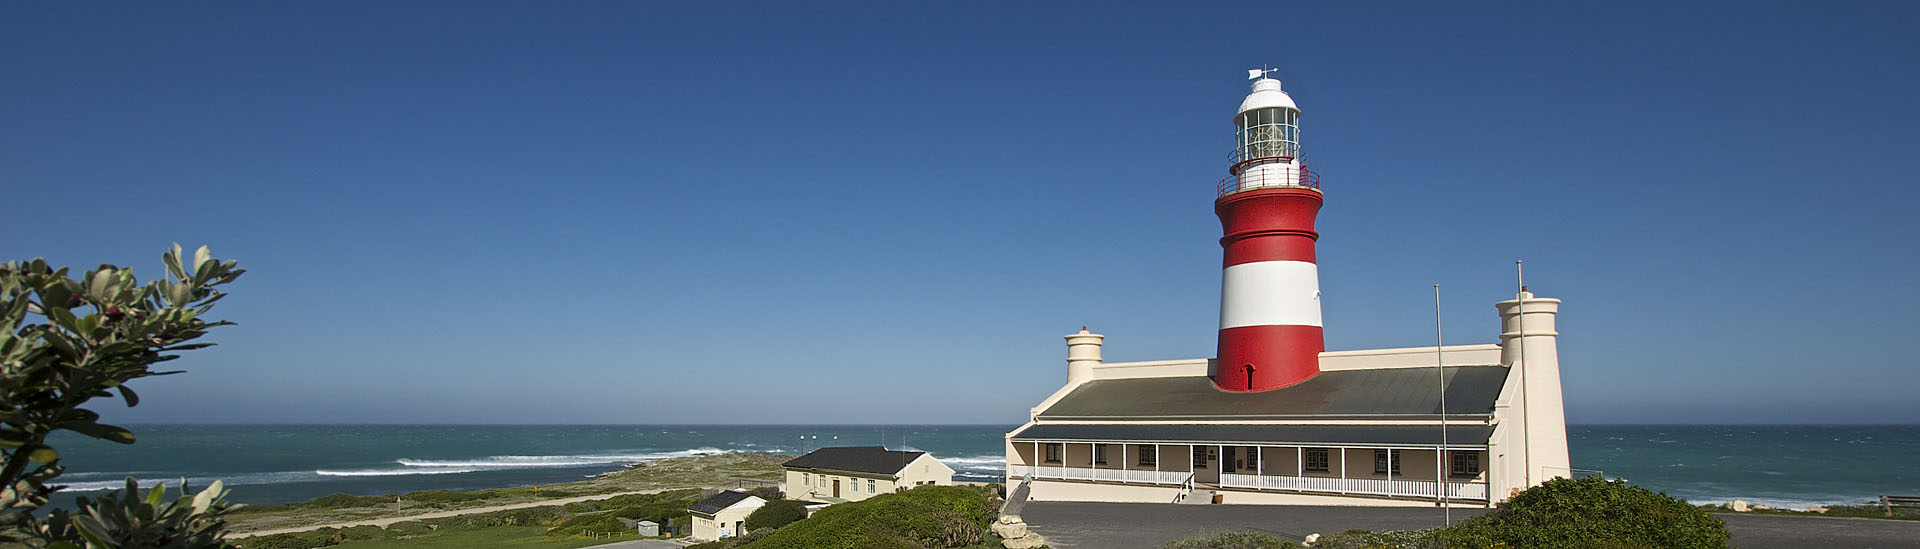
1563	512
924	517
776	513
666	474
69	341
552	526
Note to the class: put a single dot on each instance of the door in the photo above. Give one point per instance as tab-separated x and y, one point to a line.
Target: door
836	487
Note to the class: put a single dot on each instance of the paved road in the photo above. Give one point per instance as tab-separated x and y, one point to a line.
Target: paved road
1146	525
383	522
1124	525
1783	532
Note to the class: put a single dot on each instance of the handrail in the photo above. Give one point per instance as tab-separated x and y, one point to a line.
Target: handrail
1302	177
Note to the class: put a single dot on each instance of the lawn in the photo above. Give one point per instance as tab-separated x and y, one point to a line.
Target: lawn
498	536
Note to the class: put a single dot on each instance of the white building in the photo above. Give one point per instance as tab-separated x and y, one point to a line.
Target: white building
854	473
1278	420
724	515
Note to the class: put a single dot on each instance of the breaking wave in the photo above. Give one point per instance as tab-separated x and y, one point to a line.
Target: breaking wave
509	462
391	472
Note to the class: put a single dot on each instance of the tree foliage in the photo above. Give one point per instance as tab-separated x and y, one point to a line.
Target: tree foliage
67	341
1591	512
776	513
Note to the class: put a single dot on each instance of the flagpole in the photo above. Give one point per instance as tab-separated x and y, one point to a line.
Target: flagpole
1520	326
1440	369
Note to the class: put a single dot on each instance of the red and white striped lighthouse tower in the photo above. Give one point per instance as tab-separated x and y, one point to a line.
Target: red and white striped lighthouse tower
1270	291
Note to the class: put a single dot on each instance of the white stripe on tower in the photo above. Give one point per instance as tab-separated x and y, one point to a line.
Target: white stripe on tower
1270	293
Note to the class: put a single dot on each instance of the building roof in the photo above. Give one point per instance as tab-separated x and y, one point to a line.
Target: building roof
719	502
1389	393
1458	436
859	459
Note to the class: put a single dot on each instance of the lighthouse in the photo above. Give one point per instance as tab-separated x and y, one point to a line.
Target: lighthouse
1270	285
1274	418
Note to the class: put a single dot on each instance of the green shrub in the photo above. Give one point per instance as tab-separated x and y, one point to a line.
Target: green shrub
295	540
408	528
1230	540
928	516
775	514
769	493
530	516
434	497
1590	512
362	533
588	523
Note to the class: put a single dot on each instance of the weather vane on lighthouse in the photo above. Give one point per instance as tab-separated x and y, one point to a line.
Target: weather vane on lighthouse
1254	74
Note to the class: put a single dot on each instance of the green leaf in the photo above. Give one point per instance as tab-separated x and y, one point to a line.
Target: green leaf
43	454
158	493
200	258
172	259
128	395
103	432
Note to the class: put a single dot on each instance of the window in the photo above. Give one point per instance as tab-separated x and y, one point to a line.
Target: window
1381	459
1053	453
870	486
1200	456
1100	454
1316	460
1149	456
1466	464
806	480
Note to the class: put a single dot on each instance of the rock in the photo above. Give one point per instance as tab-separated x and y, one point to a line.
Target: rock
1010	531
1759	507
1010	519
1311	539
1029	541
1738	506
1817	509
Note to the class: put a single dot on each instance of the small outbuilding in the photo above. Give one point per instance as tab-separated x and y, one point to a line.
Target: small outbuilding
648	528
854	473
724	515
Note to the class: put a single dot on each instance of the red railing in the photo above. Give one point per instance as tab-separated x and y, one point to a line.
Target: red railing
1255	179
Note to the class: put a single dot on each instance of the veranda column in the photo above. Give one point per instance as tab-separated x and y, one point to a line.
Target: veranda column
1389	472
1343	469
1439	480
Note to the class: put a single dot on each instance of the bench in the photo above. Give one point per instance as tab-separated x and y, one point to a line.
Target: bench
1890	502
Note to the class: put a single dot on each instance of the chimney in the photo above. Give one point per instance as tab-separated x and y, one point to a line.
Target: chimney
1083	353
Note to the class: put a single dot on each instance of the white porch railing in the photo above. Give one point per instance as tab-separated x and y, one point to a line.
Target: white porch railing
1133	476
1368	486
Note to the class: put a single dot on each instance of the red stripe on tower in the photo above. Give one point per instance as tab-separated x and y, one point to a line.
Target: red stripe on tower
1270	335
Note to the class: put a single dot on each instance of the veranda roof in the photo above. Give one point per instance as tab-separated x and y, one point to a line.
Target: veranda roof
1458	436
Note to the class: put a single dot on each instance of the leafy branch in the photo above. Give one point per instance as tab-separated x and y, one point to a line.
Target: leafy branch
67	341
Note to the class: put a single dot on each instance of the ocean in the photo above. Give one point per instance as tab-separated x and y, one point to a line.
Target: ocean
1790	466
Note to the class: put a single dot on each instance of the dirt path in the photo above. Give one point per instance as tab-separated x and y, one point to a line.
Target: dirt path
383	522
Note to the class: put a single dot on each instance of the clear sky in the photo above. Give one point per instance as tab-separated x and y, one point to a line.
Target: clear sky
744	212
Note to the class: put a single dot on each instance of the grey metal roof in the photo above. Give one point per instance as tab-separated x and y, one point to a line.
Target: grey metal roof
718	502
1379	393
858	459
1458	436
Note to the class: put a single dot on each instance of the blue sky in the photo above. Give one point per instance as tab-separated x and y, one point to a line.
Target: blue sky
743	212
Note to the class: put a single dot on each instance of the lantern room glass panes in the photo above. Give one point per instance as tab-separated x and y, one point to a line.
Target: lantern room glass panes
1268	133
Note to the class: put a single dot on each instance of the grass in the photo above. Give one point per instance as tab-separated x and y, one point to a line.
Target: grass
695	472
